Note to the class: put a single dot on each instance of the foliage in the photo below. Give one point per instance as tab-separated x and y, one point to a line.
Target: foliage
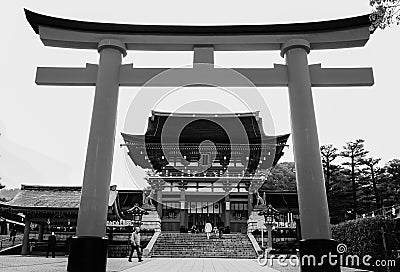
364	237
384	13
281	177
354	151
375	186
374	183
393	168
390	183
339	194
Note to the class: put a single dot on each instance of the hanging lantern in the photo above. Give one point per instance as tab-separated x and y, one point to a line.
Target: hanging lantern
269	214
136	213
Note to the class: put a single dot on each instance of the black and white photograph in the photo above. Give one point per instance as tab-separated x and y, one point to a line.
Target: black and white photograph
208	136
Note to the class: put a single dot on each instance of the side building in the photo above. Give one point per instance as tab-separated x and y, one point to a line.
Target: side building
45	209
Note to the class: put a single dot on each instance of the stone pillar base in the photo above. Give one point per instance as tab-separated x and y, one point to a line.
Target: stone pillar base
88	254
317	248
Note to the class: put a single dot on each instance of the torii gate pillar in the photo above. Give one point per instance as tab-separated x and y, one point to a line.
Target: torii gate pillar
89	248
313	206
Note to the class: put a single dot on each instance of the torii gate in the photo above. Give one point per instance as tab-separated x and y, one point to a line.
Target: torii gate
89	248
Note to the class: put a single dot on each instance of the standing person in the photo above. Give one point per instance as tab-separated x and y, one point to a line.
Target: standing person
13	234
221	229
215	230
51	245
135	245
68	244
208	228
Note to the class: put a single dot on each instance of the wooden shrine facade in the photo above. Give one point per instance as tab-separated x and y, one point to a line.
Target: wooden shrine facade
198	173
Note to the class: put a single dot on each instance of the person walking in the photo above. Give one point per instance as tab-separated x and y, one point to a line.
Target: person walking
208	228
135	245
51	245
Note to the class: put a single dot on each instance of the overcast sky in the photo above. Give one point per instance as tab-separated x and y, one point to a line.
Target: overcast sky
44	130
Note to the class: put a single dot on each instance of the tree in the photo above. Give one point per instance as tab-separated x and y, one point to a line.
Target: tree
393	169
281	177
384	13
339	194
355	152
328	154
391	190
371	163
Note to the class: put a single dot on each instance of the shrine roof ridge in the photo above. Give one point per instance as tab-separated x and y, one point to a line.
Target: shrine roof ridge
205	115
50	188
36	20
55	187
138	138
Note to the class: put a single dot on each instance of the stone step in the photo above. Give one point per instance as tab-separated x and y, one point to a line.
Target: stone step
205	243
202	249
203	253
188	245
215	255
242	256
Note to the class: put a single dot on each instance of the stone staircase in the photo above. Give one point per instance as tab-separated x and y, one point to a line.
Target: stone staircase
188	245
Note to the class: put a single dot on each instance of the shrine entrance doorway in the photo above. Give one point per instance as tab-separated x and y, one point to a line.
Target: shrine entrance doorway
200	213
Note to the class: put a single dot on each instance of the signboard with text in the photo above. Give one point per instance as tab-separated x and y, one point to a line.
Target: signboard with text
120	223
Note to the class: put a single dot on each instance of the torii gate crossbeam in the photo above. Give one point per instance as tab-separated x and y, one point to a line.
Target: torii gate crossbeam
89	248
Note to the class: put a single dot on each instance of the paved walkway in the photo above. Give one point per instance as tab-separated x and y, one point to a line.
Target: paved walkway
200	265
19	263
59	264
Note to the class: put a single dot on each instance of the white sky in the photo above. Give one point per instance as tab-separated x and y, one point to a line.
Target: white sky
44	130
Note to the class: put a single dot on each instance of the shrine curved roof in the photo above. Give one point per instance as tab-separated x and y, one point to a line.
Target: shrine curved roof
220	128
36	20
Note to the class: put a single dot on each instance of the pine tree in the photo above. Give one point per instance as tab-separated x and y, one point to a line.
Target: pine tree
328	155
355	152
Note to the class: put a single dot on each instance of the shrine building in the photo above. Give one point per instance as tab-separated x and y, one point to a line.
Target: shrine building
209	167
